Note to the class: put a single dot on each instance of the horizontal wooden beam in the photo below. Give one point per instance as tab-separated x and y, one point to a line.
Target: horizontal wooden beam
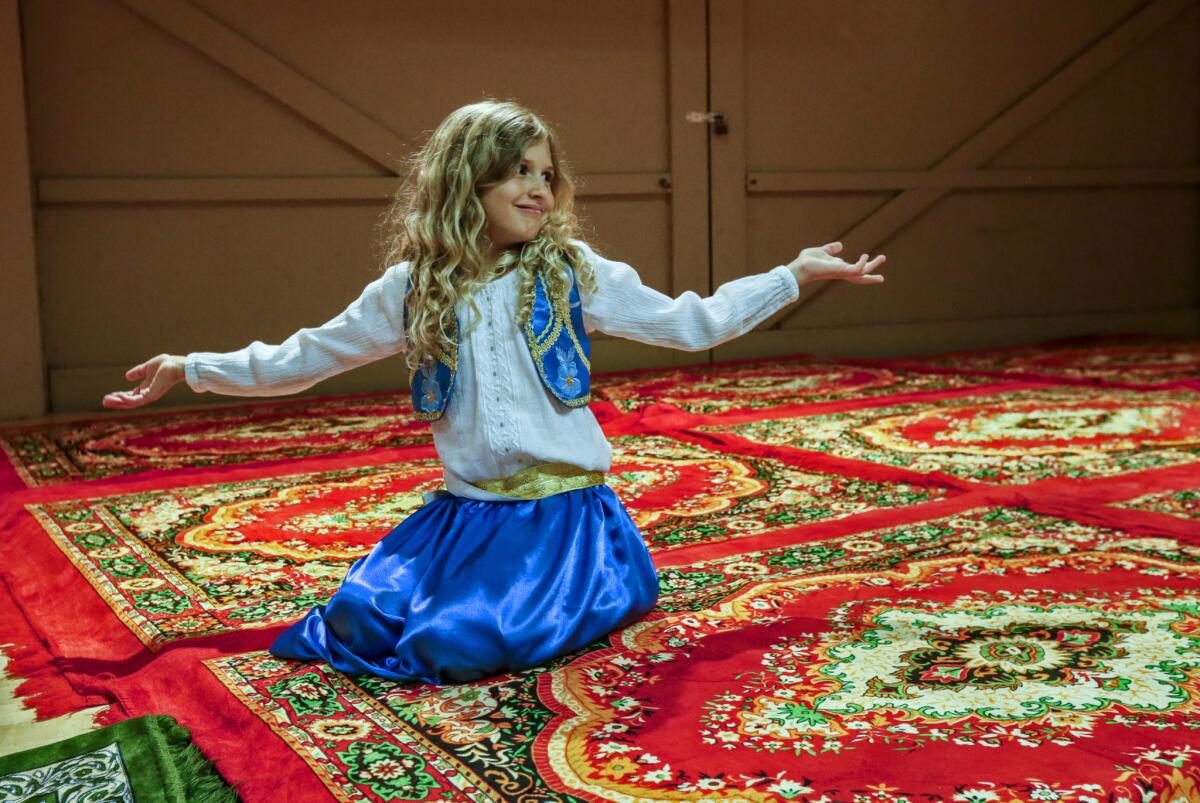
886	180
623	184
200	190
62	190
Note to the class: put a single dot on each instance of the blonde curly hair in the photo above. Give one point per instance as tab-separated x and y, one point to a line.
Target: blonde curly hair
437	222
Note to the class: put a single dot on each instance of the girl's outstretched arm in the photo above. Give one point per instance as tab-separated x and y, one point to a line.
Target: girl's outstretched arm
624	307
371	328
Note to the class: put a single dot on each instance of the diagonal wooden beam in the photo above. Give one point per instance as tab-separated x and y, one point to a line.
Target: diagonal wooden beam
232	51
975	151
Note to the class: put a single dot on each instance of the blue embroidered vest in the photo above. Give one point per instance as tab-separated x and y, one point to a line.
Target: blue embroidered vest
557	343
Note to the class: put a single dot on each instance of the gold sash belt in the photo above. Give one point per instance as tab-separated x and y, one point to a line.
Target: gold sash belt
542	480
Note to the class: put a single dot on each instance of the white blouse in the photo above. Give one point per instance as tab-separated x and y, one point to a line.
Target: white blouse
500	418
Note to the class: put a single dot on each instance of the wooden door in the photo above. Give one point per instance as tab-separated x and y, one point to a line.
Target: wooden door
1013	160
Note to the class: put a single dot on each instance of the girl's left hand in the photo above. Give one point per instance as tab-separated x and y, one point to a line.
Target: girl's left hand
823	263
157	375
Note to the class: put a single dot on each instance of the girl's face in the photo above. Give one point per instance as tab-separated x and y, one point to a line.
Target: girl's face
517	206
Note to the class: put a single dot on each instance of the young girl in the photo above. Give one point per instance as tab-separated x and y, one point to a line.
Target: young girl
526	554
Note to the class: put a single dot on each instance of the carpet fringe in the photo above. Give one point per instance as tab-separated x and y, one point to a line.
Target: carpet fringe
43	686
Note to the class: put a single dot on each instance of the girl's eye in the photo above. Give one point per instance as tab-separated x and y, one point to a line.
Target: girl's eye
549	176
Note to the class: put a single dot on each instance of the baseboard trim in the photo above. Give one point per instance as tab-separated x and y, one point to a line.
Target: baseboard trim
893	340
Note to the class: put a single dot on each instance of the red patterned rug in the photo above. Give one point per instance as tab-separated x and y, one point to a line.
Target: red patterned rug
973	578
121	445
1139	362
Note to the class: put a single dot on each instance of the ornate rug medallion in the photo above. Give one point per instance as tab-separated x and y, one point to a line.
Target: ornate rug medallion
1001	669
113	447
680	493
796	679
708	390
949	663
1011	437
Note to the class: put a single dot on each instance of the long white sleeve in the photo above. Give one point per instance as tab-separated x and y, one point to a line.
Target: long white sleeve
624	307
371	328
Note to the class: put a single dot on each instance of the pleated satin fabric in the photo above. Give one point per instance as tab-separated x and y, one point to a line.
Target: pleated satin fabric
465	589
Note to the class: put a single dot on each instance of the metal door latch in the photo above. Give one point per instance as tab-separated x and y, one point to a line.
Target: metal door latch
719	124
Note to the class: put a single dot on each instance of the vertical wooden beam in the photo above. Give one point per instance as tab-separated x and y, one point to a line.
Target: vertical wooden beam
727	94
21	360
688	65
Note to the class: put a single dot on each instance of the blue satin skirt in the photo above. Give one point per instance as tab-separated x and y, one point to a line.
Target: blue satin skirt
464	589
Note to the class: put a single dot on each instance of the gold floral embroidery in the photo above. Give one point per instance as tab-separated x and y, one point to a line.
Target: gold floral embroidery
538	346
449	360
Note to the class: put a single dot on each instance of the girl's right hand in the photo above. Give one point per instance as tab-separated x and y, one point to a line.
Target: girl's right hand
822	262
157	374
